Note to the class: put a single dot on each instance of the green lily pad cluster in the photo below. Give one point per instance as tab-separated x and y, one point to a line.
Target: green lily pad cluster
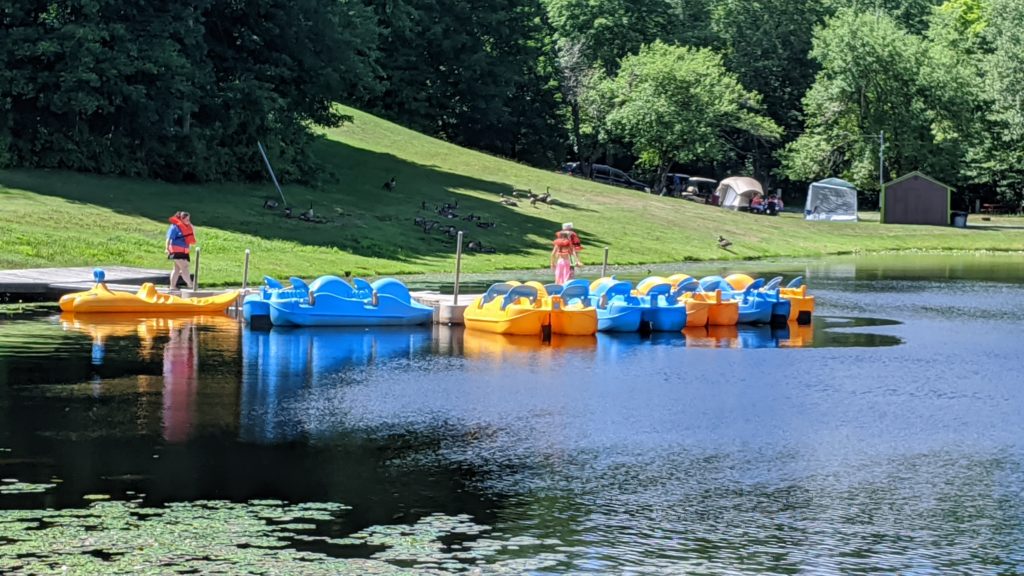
258	537
13	486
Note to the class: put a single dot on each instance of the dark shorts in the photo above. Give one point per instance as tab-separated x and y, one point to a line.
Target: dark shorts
178	256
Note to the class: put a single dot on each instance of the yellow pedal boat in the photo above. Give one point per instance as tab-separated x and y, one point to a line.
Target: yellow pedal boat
571	311
525	309
147	300
801	304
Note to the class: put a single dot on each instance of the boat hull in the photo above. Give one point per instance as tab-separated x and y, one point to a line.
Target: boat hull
582	322
101	300
514	320
329	310
666	318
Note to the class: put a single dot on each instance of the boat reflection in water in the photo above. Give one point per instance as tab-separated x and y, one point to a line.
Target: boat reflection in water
175	341
790	335
503	348
281	364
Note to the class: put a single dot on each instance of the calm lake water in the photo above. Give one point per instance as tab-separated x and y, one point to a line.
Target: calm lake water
886	438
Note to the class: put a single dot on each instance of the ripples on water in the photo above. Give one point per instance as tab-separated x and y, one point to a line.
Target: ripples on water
878	447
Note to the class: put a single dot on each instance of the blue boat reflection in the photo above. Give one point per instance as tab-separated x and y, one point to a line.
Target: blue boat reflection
281	364
791	335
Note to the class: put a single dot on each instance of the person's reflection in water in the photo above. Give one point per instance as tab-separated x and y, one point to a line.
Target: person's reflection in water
180	371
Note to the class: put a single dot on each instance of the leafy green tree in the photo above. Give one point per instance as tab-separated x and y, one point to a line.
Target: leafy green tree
479	73
611	29
876	77
677	104
176	91
911	15
767	43
998	156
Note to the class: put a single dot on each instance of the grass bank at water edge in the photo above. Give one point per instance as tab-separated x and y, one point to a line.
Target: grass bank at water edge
52	218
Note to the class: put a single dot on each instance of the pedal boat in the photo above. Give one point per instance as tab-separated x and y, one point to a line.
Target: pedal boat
569	306
789	304
754	305
663	306
330	301
507	308
100	299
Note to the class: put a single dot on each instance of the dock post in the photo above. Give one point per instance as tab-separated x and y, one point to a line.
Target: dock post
195	277
604	265
245	271
458	267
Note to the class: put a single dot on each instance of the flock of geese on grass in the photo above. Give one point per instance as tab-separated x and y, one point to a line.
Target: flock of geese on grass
448	212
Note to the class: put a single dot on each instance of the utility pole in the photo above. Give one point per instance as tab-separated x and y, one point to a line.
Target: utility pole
881	160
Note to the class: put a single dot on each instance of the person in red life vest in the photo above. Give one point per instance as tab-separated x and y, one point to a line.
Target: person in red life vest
576	244
179	237
564	257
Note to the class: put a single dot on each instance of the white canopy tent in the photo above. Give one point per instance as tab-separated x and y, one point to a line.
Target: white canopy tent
831	200
736	192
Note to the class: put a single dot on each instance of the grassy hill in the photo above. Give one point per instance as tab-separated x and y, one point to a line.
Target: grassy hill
52	218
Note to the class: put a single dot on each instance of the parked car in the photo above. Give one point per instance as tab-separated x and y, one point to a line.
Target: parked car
607	175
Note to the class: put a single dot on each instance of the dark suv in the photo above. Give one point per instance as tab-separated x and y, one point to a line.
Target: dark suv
608	175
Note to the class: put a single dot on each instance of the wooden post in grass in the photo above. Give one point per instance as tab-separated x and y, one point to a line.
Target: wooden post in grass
195	277
271	170
245	271
604	265
458	267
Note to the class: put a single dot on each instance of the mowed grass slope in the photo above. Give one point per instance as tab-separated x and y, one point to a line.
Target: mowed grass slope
52	218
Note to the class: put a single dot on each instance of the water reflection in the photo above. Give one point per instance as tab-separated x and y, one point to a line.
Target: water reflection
169	348
501	348
281	365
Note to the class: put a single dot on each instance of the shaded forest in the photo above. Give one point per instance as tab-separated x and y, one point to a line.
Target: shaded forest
787	92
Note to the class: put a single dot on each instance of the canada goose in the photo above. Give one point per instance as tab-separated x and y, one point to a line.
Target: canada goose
423	204
308	214
508	201
723	243
270	204
390	184
288	212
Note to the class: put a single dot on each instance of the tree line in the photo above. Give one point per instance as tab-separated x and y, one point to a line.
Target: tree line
784	91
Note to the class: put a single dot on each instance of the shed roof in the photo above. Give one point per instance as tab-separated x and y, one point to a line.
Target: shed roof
919	174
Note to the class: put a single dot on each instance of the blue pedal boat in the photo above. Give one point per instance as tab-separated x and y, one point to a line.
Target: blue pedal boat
330	301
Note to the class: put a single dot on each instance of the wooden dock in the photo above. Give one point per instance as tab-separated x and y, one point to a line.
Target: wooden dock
55	282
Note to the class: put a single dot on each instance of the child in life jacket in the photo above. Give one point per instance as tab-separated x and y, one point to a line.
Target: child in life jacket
564	257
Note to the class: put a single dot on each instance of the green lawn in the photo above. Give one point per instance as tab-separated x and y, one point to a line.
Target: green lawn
52	218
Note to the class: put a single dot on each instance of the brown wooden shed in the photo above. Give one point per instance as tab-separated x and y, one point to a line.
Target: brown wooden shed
916	199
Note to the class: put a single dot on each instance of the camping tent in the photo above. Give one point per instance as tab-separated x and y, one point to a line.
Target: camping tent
736	192
831	199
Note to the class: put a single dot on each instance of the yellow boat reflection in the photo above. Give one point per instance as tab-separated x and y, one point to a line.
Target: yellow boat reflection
489	345
790	335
